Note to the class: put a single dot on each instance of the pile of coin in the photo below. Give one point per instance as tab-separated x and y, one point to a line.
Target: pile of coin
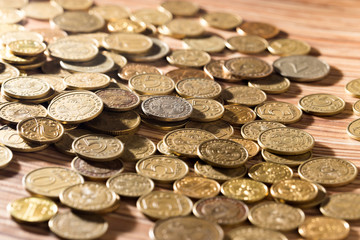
89	102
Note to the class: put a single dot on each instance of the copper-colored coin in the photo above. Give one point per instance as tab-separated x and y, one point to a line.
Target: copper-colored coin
216	69
291	161
116	99
238	115
132	69
260	29
184	73
248	67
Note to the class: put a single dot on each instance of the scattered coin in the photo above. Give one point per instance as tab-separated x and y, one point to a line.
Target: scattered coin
126	26
222	20
288	47
87	81
204	110
11	15
110	11
260	29
100	64
212	44
250	232
73	51
322	104
247	44
15	112
244	189
42	10
273	84
243	95
188	58
217	70
132	69
252	147
294	190
25	87
238	114
270	172
353	87
219	128
248	67
197	187
198	88
291	161
253	129
218	174
281	112
136	147
131	43
151	84
78	21
158	51
152	16
6	156
342	205
180	8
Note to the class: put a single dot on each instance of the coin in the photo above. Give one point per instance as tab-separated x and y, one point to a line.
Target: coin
8	57
72	6
136	147
288	47
238	114
162	168
276	216
353	129
244	189
119	60
198	88
15	112
330	171
218	174
212	44
53	80
342	205
152	16
163	149
32	209
188	58
151	84
243	95
110	11
7	72
64	145
185	142
10	27
164	204
204	110
247	44
216	69
324	228
98	147
8	37
273	84
180	8
100	64
131	43
88	196
42	10
253	129
53	67
50	34
322	104
313	203
6	156
183	27
87	81
25	87
78	21
277	111
301	68
11	15
183	73
252	147
353	87
26	47
270	172
160	125
13	4
260	29
37	63
197	187
132	69
219	128
126	26
247	233
222	20
97	170
130	184
158	50
291	161
116	99
73	51
248	67
294	190
62	225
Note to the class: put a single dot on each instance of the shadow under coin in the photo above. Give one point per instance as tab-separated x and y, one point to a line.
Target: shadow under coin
321	150
35	228
11	170
334	76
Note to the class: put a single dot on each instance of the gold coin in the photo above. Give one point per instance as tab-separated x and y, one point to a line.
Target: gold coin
353	87
130	184
10	27
247	44
88	106
118	59
277	111
219	174
244	189
183	73
322	104
217	70
132	69
238	115
50	181
8	57
98	147
53	80
75	5
100	64
46	98
356	107
88	196
160	125
162	168
248	67
342	205
78	21
288	47
324	228
163	149
62	225
6	156
15	112
253	129
42	10
243	95
152	16
222	20
131	43
328	171
291	161
25	88
180	8
126	26
164	204
204	110
248	232
198	88
37	63
313	203
252	147
8	71
273	84
40	130
32	209
185	142
188	58
294	190
26	47
136	147
197	187
110	12
212	44
260	29
11	15
158	51
276	216
219	128
73	51
151	84
64	145
8	37
183	27
222	153
353	129
87	81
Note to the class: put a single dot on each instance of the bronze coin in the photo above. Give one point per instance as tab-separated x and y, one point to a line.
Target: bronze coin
133	69
184	73
116	99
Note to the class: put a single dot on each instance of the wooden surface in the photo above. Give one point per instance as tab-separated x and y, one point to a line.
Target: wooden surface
331	27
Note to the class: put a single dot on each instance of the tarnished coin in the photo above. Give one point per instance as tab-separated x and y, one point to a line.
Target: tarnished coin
251	146
50	181
26	47
110	11
243	189
273	84
291	161
130	184
353	87
222	210
253	129
342	205
198	88
270	172
184	73
216	69
288	47
158	50
136	147
98	147
73	51
132	69
238	114
324	228
222	20
204	110
119	60
118	100
11	15
151	84
197	187
164	204
248	44
131	43
301	68
152	16
188	58
25	87
162	168
32	209
353	129
322	104
167	108
243	95
7	72
87	81
180	8
212	44
218	174
328	171
294	190
248	67
260	29
183	27
6	156
64	145
276	111
9	37
78	21
184	142
42	10
100	64
276	216
219	128
62	225
125	25
286	141
15	112
248	233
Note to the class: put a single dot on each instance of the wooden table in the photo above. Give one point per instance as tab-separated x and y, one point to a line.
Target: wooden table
331	27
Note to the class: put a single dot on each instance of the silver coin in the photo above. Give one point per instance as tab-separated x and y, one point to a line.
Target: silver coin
158	50
302	68
100	64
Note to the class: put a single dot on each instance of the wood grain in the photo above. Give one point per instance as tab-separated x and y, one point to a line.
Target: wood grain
331	27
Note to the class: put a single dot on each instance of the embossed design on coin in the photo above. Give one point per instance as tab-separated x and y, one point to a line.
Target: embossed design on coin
131	43
222	20
73	51
218	174
116	99
136	147
288	47
248	232
273	84
130	184
216	69
269	172
247	44
78	21
253	129
353	129
198	88
64	145
25	87
219	128
322	104
244	95
204	110
132	69
151	84
261	29
189	58
353	87
244	189
87	81
15	112
342	205
282	112
294	190
197	187
26	47
248	67
291	161
238	114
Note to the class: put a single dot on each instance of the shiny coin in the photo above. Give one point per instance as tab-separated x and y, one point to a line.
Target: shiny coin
87	81
294	190
32	209
322	104
132	69
158	50
276	216
216	69
62	225
324	228
42	10
353	129
273	84
197	187
288	47
218	174
222	20
248	233
126	26
13	4
151	84
163	149
219	128
78	21
25	88
64	145
15	112
353	87
37	63
180	8
243	95
270	172
248	67
183	27
313	203
328	171
238	114
72	6
8	71
6	156
73	51
54	81
9	37
260	29
50	181
204	110
136	147
130	184
119	60
212	44
110	11
151	16
166	126
252	147
100	64
188	58
247	44
98	147
291	161
9	57
276	111
342	205
116	99
198	88
10	27
162	168
183	73
128	43
301	68
26	47
253	129
244	189
164	204
11	15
